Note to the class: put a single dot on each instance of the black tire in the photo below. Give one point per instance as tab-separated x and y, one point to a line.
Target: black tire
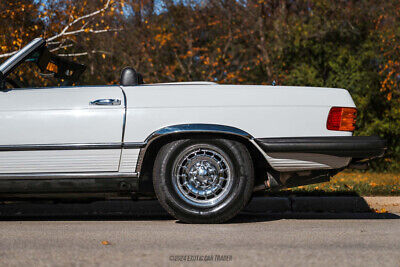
229	204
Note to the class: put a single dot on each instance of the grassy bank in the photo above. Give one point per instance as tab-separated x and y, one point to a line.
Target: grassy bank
352	183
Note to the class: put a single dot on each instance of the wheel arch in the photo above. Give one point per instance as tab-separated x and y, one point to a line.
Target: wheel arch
176	132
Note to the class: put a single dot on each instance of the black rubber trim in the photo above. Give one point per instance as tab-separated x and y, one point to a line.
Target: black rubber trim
68	185
72	146
2	81
134	145
61	175
361	147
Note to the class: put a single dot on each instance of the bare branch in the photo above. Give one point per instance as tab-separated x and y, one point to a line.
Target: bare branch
84	25
91	31
61	47
74	54
64	31
84	53
8	54
53	43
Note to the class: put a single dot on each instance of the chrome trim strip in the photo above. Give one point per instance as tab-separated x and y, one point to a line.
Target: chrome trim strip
188	128
123	125
260	149
72	146
197	128
60	147
125	114
68	175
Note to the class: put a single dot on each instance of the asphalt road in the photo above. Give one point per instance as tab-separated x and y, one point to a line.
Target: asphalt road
158	240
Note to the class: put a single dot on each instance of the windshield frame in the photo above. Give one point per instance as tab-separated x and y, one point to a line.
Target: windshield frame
66	71
13	62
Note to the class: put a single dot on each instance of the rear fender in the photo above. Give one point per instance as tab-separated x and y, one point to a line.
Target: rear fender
183	129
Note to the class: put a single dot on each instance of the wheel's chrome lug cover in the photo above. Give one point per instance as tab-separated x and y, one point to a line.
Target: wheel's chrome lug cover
202	171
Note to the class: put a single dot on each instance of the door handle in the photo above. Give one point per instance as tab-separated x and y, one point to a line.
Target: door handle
106	102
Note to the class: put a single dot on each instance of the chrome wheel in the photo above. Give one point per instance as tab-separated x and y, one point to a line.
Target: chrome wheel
202	176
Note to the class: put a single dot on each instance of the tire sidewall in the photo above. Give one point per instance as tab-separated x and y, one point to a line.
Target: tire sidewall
241	175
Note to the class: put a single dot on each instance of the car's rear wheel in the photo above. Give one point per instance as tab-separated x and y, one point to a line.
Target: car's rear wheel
203	180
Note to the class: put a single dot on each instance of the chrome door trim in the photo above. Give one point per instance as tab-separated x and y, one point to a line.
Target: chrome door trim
125	114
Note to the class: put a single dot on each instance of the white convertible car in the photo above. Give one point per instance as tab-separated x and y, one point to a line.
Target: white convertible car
200	147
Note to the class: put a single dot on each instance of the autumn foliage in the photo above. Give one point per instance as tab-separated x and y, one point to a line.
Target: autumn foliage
349	44
351	183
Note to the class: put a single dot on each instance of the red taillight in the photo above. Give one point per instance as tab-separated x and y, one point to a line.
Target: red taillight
341	119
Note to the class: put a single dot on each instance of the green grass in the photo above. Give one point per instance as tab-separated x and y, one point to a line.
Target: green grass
351	183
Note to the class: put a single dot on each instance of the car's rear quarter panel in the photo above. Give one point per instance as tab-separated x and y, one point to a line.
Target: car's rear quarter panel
262	111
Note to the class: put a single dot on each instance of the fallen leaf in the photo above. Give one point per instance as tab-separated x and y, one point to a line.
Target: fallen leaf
383	210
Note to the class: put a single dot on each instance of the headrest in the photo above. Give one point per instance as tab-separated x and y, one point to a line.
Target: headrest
129	77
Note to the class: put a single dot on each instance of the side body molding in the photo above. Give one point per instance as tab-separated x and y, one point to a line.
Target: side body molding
189	128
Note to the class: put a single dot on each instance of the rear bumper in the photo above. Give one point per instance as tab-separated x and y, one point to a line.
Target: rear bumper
356	147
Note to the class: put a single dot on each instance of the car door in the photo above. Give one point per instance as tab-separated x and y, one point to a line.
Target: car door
61	130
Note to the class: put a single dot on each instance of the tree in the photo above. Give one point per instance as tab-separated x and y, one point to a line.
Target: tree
348	44
59	22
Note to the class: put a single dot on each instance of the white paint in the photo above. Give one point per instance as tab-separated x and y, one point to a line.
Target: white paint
262	111
186	83
60	116
64	116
